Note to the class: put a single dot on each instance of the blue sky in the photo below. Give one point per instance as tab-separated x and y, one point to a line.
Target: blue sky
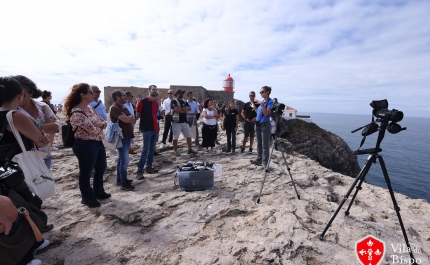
318	56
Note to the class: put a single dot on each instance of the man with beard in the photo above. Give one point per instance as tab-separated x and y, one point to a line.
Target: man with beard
147	110
119	113
180	109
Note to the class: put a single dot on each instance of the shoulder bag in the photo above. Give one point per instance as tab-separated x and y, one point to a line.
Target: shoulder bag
37	176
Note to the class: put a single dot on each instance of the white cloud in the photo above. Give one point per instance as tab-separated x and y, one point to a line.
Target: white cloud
318	56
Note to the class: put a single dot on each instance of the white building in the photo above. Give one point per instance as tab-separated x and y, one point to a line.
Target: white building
291	113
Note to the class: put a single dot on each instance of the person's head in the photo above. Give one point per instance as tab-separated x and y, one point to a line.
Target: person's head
130	96
252	96
265	91
10	90
208	103
231	104
81	92
28	86
153	91
46	95
170	94
119	97
96	91
179	93
190	96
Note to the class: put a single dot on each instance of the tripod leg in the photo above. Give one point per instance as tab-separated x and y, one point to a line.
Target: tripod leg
396	207
265	172
288	168
371	159
345	197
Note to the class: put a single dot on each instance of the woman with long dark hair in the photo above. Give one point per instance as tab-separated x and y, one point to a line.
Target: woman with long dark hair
39	112
230	122
88	146
209	129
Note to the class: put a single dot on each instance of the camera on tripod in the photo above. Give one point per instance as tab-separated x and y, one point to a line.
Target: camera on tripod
277	109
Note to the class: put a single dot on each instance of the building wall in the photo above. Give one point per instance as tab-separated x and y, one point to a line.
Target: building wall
199	92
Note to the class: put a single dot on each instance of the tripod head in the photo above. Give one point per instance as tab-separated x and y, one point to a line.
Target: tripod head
387	120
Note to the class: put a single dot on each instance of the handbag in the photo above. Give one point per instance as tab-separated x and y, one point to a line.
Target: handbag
37	176
24	233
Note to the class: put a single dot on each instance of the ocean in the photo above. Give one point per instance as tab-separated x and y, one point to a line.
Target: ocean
406	154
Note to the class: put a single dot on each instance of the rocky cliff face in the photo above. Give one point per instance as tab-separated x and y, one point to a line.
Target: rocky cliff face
320	145
160	224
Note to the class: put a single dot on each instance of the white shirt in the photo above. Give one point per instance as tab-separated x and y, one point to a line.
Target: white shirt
209	121
166	106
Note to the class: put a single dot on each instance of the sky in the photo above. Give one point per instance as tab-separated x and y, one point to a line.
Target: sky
318	56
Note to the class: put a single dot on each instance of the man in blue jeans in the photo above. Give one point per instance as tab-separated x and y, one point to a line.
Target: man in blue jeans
263	127
119	113
147	110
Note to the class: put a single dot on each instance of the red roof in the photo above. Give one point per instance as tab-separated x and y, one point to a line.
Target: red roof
289	108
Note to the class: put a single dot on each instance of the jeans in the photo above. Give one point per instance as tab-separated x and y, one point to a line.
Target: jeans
231	137
147	154
191	121
91	155
263	133
123	160
167	129
48	161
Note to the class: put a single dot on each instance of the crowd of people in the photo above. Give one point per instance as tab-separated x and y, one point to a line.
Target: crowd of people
92	124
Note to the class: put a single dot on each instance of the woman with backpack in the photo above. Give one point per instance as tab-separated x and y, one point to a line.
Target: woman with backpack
88	146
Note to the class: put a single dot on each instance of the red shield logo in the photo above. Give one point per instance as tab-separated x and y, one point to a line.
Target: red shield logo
370	250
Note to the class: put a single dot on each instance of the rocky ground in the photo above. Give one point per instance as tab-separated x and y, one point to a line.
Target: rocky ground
160	224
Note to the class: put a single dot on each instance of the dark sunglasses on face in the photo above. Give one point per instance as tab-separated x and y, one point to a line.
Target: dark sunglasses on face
170	93
98	91
261	92
251	95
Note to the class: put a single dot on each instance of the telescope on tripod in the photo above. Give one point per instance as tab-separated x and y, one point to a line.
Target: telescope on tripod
276	114
388	120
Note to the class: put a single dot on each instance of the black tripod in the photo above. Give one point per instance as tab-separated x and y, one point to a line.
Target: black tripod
374	153
276	143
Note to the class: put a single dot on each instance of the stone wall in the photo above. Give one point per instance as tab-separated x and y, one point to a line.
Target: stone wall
199	92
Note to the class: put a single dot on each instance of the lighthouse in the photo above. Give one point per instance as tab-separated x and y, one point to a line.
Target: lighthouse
228	84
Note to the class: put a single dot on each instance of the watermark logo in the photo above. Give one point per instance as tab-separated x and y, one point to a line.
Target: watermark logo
370	250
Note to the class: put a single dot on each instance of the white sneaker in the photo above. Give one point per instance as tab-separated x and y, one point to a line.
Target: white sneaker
170	144
162	146
44	244
35	262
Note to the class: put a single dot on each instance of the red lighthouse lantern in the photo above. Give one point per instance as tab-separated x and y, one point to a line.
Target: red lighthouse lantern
228	84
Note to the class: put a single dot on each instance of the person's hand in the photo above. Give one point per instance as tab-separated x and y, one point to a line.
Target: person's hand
50	120
8	214
43	138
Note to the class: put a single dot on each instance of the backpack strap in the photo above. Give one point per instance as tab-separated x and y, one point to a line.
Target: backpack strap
76	111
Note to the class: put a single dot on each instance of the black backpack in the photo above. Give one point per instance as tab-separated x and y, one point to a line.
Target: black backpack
67	132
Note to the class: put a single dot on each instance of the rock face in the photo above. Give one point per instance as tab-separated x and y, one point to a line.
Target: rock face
160	224
320	145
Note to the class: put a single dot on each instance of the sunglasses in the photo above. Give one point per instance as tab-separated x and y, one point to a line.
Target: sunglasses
252	95
170	93
97	91
261	92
